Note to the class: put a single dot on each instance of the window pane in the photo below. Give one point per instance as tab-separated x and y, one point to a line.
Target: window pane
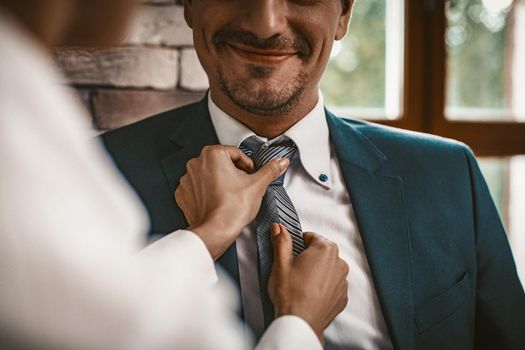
358	81
486	50
506	180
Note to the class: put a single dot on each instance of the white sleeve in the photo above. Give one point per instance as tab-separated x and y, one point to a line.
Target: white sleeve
210	321
184	251
289	333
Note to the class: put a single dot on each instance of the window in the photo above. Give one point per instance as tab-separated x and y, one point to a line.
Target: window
506	179
364	76
452	68
484	57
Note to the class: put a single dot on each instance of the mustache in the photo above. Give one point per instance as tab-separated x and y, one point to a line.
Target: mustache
227	36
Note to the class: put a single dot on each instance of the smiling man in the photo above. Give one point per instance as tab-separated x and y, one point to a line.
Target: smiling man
430	265
265	59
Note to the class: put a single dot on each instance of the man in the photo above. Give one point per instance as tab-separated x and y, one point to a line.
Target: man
430	265
72	269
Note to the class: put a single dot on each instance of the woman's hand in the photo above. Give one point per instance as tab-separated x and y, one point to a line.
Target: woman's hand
312	285
221	193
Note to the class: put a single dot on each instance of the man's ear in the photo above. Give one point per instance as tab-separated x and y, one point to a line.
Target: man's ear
188	12
344	19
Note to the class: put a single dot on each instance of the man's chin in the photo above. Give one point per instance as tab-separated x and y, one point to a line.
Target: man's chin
270	103
265	111
266	96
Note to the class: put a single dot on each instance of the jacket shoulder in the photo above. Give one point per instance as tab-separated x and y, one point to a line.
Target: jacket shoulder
390	140
150	129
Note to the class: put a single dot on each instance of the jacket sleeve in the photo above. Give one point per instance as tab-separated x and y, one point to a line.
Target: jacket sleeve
500	301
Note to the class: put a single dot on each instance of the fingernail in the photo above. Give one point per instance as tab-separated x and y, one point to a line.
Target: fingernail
276	230
283	163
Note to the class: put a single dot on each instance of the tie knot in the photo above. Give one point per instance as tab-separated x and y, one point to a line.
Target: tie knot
263	154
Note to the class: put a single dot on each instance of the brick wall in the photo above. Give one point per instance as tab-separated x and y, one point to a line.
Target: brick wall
155	69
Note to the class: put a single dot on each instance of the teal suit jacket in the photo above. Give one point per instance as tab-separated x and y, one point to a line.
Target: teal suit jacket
439	256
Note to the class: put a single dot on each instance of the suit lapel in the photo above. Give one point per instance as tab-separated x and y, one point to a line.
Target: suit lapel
378	204
194	133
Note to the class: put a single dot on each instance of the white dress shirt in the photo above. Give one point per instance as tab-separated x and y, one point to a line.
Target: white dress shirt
323	207
72	273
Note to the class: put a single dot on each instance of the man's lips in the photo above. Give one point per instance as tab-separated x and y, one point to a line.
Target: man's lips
262	56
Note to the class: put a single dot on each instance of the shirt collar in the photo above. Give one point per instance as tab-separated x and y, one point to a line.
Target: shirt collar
310	134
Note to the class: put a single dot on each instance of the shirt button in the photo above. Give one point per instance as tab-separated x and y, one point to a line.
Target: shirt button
323	177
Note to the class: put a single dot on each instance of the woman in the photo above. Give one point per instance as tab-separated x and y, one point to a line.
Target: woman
72	271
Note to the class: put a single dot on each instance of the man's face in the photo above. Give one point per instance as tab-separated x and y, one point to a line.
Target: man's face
266	55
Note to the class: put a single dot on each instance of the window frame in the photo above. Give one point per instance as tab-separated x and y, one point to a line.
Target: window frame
424	96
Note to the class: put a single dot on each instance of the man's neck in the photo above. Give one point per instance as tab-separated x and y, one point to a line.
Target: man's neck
267	126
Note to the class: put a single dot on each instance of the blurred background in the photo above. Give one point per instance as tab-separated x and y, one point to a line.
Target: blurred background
453	68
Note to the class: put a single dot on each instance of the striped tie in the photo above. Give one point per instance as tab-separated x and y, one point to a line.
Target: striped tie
276	207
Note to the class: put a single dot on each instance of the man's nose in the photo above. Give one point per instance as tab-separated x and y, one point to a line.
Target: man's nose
265	18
